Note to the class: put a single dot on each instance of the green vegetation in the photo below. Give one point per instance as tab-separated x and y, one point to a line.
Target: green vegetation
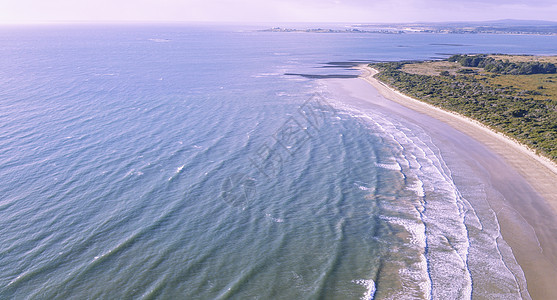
493	65
523	107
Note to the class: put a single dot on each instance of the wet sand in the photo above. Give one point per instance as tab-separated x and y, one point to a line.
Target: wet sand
521	187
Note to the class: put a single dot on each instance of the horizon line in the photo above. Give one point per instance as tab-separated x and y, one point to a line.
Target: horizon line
207	22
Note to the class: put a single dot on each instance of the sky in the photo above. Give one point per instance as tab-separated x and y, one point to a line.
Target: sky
251	11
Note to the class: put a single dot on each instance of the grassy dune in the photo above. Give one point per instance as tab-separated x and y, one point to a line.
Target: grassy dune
523	107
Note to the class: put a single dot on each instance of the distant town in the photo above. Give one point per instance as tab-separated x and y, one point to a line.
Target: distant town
491	27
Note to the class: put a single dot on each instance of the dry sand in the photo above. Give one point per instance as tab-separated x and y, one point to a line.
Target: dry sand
539	171
525	185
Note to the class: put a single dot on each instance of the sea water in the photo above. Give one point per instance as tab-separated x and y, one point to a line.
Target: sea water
180	162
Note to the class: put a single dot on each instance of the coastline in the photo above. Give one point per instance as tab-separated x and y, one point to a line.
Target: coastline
527	215
539	171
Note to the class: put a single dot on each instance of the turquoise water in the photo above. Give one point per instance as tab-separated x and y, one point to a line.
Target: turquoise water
180	162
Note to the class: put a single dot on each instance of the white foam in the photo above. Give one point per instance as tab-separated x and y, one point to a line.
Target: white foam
362	187
394	167
369	285
159	40
178	170
276	220
416	230
417	187
285	94
133	172
261	75
444	212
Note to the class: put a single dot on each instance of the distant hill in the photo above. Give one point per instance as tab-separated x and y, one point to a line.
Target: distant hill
505	22
507	26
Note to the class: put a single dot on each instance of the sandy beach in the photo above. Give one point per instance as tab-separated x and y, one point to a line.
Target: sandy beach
540	172
522	186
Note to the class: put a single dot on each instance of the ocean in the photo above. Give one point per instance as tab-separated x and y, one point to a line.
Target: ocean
216	162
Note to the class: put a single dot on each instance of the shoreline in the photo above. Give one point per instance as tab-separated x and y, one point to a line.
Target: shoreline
548	190
527	216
